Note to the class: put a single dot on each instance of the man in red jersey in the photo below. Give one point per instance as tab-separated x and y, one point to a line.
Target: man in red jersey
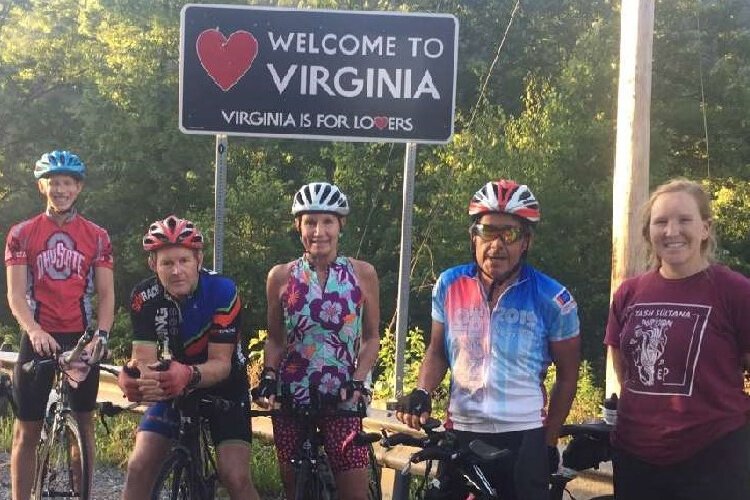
55	262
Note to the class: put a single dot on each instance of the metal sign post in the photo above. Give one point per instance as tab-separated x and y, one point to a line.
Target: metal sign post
220	196
402	302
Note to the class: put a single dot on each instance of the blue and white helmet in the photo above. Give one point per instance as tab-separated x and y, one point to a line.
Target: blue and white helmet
320	197
59	162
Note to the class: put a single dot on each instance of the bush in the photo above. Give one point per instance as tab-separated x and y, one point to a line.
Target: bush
588	395
413	356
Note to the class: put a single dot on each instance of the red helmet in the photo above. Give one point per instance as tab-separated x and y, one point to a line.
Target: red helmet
505	196
172	231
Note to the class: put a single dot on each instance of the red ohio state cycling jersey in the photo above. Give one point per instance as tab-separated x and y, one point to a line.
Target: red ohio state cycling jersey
60	262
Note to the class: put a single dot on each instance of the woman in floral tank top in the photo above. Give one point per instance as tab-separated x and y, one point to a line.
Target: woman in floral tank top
323	332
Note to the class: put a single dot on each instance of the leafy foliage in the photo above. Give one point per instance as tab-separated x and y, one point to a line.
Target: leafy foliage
413	355
101	78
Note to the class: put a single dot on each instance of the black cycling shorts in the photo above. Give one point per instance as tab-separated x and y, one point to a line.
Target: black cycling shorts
233	424
31	390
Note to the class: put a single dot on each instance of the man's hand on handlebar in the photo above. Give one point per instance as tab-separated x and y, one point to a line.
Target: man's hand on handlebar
129	383
414	409
172	379
42	342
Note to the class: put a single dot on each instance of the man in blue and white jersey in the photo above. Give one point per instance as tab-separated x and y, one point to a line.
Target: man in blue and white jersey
498	323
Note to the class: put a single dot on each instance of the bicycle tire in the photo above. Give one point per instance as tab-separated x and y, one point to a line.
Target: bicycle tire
325	480
374	491
303	481
56	465
174	481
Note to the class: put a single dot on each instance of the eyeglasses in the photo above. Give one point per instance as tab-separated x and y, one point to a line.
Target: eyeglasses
507	234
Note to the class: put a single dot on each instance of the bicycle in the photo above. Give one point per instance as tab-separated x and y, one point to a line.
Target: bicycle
313	479
587	449
189	470
444	446
62	460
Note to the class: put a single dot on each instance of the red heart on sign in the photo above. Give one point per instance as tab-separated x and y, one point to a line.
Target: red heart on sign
381	122
226	60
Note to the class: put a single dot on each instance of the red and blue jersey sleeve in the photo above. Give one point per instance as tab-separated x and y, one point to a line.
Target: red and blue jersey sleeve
227	316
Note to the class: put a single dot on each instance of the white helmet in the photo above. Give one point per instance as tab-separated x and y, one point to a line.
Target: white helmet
320	197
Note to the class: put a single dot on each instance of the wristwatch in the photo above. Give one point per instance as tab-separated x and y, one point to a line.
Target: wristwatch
195	378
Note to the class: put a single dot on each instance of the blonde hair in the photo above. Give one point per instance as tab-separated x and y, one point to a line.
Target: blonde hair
702	199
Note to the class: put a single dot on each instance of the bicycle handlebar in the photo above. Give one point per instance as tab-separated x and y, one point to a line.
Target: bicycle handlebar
80	345
363	438
321	404
403	438
434	453
597	429
33	365
220	403
66	357
442	445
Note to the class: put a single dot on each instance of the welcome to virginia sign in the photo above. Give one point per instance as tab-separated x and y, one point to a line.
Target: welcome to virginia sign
317	74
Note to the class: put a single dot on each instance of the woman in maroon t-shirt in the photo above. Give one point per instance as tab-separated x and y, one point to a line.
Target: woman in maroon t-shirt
679	336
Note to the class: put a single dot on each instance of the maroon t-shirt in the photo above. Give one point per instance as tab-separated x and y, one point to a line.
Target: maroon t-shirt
682	343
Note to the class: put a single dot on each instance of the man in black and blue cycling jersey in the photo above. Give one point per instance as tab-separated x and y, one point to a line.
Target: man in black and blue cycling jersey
198	313
498	323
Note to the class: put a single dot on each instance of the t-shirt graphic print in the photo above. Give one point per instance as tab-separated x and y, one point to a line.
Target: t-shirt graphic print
663	341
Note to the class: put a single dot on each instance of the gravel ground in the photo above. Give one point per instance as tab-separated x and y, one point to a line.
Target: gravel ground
108	481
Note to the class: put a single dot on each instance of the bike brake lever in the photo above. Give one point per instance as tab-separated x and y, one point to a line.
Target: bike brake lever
75	354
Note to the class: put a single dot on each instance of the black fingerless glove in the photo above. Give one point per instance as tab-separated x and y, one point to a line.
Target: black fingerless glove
268	384
350	386
416	403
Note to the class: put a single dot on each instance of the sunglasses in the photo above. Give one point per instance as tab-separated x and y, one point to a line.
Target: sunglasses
507	234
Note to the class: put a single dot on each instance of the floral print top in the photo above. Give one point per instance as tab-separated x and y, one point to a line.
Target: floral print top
323	325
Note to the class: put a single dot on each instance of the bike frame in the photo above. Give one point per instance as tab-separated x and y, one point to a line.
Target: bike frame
309	456
194	440
443	446
58	410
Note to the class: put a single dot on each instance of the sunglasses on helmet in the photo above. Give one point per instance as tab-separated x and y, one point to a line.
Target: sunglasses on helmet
507	234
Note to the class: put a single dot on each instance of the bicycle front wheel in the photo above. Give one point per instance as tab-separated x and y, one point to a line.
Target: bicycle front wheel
174	481
62	467
308	484
373	476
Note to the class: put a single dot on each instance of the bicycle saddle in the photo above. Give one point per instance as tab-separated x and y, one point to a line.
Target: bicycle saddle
486	451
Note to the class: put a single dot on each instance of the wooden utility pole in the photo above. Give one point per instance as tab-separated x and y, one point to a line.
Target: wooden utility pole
630	181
